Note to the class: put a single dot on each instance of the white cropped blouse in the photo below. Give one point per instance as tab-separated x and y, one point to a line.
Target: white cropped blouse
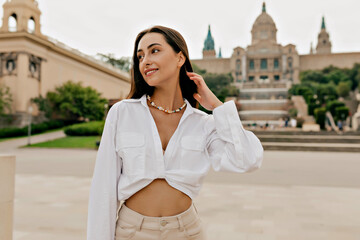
130	156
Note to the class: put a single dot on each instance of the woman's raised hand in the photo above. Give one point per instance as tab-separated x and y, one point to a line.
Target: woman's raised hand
204	95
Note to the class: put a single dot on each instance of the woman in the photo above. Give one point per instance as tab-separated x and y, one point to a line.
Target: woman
157	147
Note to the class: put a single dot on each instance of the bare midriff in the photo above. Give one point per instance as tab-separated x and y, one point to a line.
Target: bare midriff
159	199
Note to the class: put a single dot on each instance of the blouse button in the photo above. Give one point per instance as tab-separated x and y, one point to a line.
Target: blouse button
163	222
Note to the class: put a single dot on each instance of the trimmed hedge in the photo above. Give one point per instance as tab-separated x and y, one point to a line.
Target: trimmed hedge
312	107
93	128
35	128
331	106
320	115
341	113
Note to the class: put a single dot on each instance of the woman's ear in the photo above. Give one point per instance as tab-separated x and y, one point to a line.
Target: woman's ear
181	59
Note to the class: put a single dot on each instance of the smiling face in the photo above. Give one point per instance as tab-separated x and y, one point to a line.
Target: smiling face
158	62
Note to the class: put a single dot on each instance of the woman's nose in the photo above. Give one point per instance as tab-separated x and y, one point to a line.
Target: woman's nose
146	60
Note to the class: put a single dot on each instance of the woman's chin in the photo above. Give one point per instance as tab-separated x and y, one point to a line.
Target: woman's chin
152	83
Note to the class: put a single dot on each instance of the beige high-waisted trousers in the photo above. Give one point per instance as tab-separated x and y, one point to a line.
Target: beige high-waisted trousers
133	225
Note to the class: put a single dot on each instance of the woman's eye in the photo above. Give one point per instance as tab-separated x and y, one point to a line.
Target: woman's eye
155	50
140	57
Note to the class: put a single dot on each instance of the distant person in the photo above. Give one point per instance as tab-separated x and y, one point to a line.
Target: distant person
293	122
281	122
340	125
286	122
157	147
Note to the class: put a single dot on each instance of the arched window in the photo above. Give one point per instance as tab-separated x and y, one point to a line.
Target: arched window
31	25
12	24
10	65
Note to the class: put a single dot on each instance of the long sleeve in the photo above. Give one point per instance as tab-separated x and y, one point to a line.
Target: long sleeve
103	202
230	147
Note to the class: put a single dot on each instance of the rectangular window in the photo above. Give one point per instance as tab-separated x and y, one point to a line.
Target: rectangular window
251	78
276	63
263	64
263	77
277	77
238	64
251	65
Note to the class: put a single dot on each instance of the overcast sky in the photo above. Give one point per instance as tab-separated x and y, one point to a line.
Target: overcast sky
110	26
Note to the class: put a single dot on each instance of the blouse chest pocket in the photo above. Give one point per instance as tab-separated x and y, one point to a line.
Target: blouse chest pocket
192	152
131	148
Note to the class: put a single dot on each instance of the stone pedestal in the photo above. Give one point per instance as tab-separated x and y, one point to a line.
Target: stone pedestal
7	192
311	127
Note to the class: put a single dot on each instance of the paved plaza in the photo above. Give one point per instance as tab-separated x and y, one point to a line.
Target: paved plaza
295	195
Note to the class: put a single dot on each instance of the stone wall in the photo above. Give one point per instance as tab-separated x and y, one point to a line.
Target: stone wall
320	61
213	65
7	193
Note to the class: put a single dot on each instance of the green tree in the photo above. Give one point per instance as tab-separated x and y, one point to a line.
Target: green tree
332	105
341	113
123	63
312	76
343	89
198	70
326	92
44	105
219	84
337	76
72	101
5	99
355	76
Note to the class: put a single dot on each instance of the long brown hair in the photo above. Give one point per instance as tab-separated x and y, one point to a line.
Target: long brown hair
138	85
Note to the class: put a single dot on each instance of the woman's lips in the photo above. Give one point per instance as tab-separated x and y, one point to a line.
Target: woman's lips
150	72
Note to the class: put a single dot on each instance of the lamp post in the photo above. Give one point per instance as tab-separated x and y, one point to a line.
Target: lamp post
30	109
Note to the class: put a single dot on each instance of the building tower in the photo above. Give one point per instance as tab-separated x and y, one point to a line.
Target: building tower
324	44
264	28
24	14
209	46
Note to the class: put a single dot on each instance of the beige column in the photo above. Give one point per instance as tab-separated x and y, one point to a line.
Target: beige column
23	83
243	65
7	192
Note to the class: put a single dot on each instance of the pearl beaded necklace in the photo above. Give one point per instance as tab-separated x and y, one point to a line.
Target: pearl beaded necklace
165	110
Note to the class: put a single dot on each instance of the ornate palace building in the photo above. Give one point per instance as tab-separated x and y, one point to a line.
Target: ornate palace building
265	70
269	64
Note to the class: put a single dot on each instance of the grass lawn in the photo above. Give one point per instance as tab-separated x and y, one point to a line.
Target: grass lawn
87	142
48	131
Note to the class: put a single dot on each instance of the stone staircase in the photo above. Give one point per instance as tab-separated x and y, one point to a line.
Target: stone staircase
309	141
262	105
300	105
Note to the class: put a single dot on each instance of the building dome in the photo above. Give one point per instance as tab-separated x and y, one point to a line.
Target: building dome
264	28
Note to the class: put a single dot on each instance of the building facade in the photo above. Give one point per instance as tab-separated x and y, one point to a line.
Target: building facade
31	64
266	63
